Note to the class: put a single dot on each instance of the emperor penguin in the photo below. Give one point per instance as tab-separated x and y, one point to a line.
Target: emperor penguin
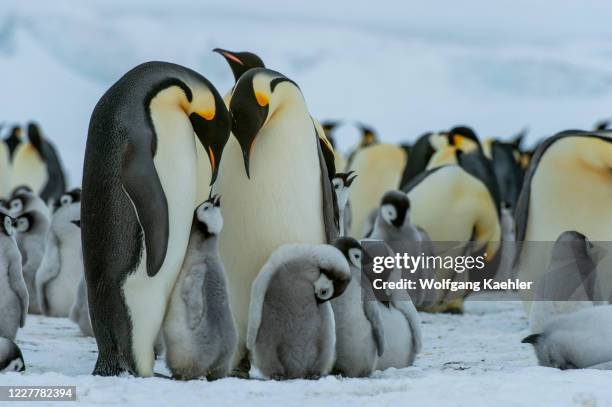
567	187
11	358
571	281
61	267
199	331
380	167
140	186
240	62
457	212
342	185
291	331
36	164
274	183
13	140
14	293
32	228
420	154
328	128
393	226
360	336
578	340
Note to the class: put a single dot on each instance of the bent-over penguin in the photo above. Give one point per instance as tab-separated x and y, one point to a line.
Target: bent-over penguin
11	358
140	181
291	322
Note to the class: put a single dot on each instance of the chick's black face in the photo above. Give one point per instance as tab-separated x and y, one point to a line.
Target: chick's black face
351	249
394	207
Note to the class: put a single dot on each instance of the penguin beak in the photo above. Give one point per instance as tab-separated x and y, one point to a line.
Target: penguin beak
77	223
350	179
228	55
213	133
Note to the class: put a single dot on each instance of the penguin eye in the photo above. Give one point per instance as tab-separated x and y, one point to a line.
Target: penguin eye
206	207
16	205
336	183
23	225
65	200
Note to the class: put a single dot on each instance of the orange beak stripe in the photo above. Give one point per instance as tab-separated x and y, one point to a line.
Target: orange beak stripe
213	162
232	57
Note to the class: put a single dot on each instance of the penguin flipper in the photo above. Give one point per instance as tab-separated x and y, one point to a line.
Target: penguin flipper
18	286
258	295
144	189
331	213
49	269
403	303
372	313
192	294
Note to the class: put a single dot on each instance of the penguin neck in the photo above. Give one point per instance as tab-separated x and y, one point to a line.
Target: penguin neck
287	102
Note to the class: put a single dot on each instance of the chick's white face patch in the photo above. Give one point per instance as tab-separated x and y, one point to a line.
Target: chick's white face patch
324	288
210	215
23	225
389	213
355	257
16	206
65	200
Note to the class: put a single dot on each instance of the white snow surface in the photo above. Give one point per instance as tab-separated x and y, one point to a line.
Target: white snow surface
476	359
405	67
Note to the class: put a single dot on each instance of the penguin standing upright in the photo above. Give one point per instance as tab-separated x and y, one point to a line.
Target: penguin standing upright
274	183
37	165
140	182
61	267
32	228
568	187
13	291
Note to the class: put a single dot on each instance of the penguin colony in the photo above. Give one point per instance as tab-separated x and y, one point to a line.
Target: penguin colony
148	260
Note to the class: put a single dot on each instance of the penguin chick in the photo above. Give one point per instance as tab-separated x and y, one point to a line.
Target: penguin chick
61	268
13	292
79	312
199	330
32	228
360	339
570	282
291	331
11	358
23	200
579	340
342	185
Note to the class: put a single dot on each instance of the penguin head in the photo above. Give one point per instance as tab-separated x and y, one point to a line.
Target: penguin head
211	122
31	221
351	249
255	98
34	135
67	199
17	203
328	128
11	358
368	135
240	62
394	208
16	134
463	138
208	216
8	225
550	351
342	184
324	288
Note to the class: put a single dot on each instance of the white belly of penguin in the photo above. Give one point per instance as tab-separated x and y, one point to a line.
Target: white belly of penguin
61	291
146	297
398	339
281	203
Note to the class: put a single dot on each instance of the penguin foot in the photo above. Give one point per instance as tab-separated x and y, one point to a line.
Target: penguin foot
242	370
110	367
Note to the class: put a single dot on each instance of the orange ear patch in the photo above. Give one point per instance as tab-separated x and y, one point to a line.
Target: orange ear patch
262	99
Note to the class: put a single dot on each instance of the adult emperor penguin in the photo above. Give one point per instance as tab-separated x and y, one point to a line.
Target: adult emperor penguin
5	170
380	167
274	184
13	140
11	358
567	187
32	227
571	281
360	336
291	322
36	164
140	171
342	185
579	340
457	212
61	267
14	294
328	127
199	330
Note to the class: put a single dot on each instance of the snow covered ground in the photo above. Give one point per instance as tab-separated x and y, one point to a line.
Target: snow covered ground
471	360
